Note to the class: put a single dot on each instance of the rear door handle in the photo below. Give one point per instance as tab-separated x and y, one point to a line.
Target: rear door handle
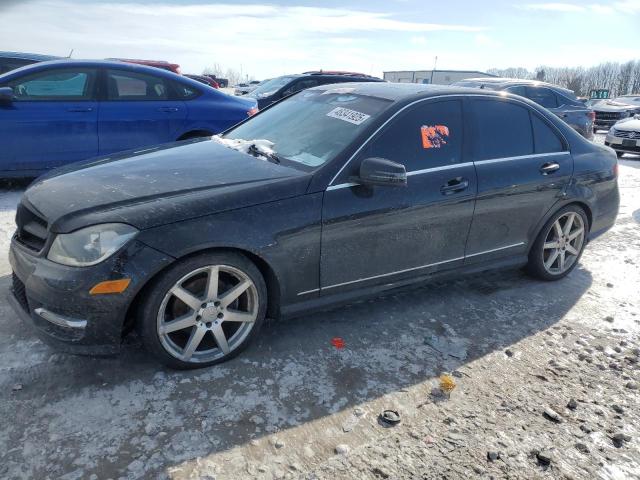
549	167
168	109
80	109
454	185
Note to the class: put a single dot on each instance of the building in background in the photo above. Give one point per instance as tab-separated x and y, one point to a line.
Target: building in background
438	77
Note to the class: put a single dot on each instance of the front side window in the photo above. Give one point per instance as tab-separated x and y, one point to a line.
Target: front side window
427	135
132	86
501	129
542	96
61	84
311	128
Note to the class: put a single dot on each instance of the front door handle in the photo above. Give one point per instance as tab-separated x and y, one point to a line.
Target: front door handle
454	185
168	109
549	167
80	109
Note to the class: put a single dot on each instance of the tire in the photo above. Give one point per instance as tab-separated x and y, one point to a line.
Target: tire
216	322
619	154
554	239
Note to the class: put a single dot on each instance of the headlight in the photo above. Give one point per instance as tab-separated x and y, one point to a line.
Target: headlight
90	245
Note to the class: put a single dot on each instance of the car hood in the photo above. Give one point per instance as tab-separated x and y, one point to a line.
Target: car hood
631	125
160	185
612	107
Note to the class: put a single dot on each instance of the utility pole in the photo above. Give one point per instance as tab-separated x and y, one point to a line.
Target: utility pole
435	63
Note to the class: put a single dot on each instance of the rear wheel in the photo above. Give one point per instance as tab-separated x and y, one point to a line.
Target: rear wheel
204	310
559	245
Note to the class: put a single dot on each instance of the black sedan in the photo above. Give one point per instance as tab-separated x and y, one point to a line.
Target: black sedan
336	193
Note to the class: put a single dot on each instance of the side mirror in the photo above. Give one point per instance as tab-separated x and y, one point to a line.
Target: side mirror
380	171
6	94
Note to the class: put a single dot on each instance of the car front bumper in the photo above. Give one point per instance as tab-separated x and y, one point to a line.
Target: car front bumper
55	298
624	145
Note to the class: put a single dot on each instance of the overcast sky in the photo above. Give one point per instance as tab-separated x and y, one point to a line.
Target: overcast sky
286	36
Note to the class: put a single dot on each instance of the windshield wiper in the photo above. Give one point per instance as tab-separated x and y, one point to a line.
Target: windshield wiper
259	152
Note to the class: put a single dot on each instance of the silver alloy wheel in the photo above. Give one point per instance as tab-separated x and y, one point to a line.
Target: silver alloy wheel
207	314
563	244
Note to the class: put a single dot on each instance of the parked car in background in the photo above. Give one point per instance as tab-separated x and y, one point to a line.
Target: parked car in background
53	113
560	101
277	88
170	67
222	82
333	194
203	79
624	136
12	60
609	112
244	88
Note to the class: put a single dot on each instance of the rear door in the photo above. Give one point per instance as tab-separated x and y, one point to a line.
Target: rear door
523	166
138	110
381	234
51	121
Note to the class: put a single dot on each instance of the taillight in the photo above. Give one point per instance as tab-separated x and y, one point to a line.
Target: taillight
591	115
252	112
615	169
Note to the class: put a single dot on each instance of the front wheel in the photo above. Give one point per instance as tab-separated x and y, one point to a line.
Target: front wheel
559	245
203	310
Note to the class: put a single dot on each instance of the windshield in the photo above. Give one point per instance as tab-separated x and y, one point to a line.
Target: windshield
270	87
628	100
312	127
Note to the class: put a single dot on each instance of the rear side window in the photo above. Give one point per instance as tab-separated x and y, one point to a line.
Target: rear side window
123	85
546	140
426	136
517	90
500	129
185	92
301	85
542	96
62	84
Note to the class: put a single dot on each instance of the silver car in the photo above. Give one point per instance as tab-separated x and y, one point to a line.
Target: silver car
624	136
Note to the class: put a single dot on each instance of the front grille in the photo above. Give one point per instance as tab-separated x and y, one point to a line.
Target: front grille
611	115
627	134
32	229
19	292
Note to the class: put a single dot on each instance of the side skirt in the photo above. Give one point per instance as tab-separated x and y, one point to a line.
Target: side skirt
327	302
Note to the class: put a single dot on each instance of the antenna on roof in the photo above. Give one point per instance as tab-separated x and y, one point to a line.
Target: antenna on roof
70	53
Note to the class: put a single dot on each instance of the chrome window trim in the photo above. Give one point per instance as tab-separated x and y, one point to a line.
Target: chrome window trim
411	269
521	157
454	95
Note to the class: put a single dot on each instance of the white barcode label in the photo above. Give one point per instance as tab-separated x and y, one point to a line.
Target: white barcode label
348	115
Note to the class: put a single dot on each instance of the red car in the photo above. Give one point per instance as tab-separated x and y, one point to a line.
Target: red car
172	67
203	79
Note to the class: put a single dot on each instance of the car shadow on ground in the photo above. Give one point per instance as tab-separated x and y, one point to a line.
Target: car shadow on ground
111	416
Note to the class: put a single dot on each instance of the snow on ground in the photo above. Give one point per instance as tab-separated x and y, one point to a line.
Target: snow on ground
516	348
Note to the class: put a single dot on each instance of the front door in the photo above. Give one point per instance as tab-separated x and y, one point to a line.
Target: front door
138	112
383	234
52	120
523	167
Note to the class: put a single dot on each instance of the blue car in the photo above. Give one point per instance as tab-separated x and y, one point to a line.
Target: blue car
58	112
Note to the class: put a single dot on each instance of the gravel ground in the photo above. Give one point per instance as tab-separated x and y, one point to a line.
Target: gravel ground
546	385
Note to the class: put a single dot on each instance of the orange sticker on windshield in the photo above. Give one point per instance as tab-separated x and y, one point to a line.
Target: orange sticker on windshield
434	136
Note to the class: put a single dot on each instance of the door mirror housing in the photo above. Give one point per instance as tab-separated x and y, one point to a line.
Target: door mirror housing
6	94
383	172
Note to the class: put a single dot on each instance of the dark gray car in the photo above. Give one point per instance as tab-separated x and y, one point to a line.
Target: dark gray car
609	112
560	101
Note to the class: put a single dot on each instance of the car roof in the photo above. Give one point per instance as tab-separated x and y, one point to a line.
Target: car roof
503	82
402	91
93	63
37	57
